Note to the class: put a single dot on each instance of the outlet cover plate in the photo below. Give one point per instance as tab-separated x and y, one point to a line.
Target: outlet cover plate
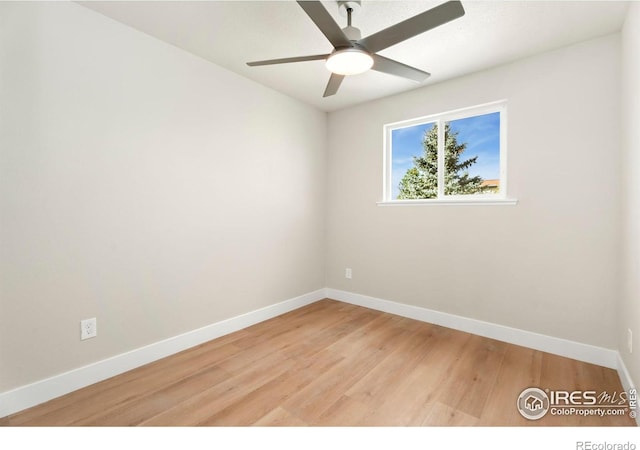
88	329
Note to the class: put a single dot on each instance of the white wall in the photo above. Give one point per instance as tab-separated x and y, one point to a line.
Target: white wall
159	193
629	310
548	265
143	186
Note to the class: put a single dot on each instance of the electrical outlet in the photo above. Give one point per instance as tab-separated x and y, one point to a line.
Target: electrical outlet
88	329
629	340
347	273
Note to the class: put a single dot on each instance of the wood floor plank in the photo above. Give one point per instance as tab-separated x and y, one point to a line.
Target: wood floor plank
446	416
396	366
370	337
374	344
558	373
125	388
279	417
474	375
140	409
257	403
339	327
332	364
197	409
520	369
345	411
409	400
300	322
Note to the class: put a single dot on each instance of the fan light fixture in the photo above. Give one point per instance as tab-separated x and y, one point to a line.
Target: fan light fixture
349	61
353	55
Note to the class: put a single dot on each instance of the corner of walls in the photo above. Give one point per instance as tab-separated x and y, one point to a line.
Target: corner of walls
629	300
144	186
547	264
562	347
557	346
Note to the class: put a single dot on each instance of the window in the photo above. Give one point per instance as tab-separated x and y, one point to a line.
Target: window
456	157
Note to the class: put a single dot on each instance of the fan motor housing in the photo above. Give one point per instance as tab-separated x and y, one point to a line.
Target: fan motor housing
352	33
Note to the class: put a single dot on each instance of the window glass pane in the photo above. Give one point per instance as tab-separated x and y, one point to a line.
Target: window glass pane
414	162
472	155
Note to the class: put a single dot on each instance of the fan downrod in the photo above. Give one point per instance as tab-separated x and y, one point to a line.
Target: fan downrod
346	9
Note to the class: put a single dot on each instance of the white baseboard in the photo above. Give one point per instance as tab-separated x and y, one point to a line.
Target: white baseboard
41	391
570	349
44	390
557	346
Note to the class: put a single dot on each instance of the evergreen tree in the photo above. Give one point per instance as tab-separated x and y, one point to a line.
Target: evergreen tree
421	181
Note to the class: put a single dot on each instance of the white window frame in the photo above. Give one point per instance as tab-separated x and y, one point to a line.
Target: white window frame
499	198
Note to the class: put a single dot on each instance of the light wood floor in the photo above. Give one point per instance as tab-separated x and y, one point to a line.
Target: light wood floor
331	364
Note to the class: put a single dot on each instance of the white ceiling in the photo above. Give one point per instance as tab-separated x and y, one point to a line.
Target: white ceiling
230	33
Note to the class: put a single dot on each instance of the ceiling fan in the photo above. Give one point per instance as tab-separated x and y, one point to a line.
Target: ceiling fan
352	54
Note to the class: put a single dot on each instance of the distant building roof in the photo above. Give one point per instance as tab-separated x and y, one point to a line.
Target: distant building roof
491	183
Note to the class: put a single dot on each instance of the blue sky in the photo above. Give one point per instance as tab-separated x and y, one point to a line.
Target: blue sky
481	133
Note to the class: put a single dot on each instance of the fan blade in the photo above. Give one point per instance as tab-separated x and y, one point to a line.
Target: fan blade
268	62
386	65
325	23
333	84
413	26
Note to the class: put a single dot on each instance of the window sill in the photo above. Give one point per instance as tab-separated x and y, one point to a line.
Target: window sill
452	202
